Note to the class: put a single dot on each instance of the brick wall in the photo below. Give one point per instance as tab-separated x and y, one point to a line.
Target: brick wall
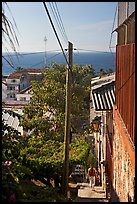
124	170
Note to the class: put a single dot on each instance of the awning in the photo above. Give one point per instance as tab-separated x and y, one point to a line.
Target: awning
103	97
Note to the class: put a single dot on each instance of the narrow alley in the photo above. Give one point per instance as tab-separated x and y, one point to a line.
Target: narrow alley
85	194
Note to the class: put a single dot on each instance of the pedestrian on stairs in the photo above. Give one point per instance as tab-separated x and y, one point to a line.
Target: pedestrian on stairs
92	173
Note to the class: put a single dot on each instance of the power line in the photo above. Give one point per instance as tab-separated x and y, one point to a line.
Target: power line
47	60
39	52
92	50
113	28
61	23
55	32
8	62
31	53
58	20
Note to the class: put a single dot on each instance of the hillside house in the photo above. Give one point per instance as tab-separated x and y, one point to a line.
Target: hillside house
20	80
25	94
15	83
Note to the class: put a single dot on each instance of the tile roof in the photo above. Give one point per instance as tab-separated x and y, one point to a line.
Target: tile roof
34	69
16	75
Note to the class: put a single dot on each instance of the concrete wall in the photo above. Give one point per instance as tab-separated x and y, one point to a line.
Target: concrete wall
4	91
124	169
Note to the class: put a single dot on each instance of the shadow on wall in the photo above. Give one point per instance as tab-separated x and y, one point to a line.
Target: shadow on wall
114	196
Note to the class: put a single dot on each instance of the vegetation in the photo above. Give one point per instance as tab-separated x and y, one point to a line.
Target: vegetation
39	156
32	165
45	114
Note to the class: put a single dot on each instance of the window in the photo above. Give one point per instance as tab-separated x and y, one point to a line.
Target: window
13	80
23	98
11	88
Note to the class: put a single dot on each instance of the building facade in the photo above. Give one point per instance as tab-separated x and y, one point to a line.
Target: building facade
15	83
121	151
101	107
20	80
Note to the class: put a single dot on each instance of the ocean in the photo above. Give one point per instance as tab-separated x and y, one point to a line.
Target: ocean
98	60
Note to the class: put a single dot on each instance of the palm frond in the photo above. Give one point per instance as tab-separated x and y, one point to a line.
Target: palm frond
9	32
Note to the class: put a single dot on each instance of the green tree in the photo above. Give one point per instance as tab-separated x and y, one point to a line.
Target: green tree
109	71
12	162
45	114
101	72
45	158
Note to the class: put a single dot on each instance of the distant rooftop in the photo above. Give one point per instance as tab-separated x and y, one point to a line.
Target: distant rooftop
23	71
97	82
36	70
16	75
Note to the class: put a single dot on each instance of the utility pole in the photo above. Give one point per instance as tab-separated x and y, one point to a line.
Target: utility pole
67	121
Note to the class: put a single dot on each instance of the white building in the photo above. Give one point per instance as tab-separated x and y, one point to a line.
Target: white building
4	91
15	83
25	94
18	81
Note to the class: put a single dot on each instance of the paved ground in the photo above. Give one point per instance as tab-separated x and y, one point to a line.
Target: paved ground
85	194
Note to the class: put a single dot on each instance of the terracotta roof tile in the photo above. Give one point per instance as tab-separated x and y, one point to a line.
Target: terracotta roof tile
34	69
16	75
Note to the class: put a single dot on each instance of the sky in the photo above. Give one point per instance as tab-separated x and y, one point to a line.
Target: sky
87	25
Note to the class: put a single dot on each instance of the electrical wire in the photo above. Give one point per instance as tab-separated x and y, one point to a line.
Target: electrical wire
112	31
92	50
113	27
55	33
77	54
31	53
58	20
61	23
47	60
8	62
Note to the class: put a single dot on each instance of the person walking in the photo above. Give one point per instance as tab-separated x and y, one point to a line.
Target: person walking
92	173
